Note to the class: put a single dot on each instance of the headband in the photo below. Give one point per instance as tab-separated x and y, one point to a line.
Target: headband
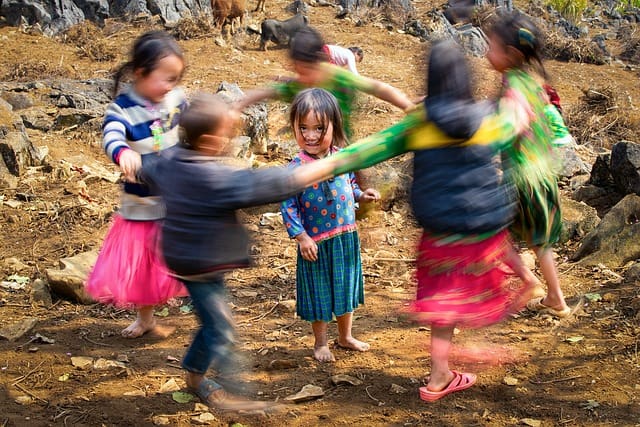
526	38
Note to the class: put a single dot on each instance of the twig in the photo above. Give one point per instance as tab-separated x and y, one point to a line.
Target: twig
24	377
262	316
556	380
380	402
86	338
174	366
24	390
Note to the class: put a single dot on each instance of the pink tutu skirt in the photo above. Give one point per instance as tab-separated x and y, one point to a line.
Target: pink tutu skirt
464	283
129	270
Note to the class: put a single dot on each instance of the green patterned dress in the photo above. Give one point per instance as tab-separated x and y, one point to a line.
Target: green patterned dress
530	163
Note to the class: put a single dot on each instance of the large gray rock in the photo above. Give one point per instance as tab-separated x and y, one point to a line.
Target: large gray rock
578	219
625	166
614	242
55	16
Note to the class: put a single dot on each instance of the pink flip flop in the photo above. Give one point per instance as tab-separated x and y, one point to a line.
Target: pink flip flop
460	381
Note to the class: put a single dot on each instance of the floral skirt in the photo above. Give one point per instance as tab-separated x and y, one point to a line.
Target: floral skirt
129	270
464	283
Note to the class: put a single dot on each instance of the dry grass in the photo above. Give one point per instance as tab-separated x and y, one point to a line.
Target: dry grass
193	28
567	49
90	42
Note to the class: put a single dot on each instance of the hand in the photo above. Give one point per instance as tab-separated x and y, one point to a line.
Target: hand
308	248
369	195
130	161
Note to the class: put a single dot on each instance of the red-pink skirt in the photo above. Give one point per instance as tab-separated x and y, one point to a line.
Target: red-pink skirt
464	283
129	270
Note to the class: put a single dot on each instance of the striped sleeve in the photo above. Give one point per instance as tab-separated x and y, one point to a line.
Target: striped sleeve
114	132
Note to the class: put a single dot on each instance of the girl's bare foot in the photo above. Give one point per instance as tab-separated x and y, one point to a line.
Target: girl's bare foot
145	322
352	344
323	354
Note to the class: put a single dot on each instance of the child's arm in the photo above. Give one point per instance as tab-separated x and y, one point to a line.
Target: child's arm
291	217
253	96
392	95
114	142
369	195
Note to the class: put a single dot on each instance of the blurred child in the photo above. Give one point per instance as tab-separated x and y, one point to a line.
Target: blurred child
312	70
344	57
202	236
322	219
515	45
140	122
464	203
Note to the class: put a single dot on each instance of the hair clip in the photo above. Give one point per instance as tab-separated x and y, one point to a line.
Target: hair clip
526	38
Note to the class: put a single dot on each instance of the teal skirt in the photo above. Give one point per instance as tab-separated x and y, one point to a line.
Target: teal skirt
332	285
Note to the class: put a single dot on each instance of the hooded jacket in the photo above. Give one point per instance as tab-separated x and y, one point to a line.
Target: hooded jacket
460	188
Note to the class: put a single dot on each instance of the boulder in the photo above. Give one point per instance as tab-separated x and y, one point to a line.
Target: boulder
578	219
16	150
625	166
614	242
69	280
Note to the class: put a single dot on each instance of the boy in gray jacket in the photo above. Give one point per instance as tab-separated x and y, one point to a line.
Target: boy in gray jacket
202	236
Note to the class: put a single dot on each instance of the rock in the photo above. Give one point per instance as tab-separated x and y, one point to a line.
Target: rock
397	389
578	219
206	418
14	265
570	163
18	330
341	379
169	386
308	392
70	279
254	118
289	305
625	166
40	293
600	173
615	240
17	150
82	362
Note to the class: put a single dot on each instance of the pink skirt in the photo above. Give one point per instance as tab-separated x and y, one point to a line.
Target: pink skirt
464	283
129	270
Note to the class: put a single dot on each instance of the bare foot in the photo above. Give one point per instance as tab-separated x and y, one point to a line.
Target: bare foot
323	354
353	344
140	327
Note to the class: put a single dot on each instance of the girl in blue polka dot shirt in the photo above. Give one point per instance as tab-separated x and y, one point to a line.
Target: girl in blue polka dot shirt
322	219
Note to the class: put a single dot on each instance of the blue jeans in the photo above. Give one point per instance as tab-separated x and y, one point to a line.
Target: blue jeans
213	343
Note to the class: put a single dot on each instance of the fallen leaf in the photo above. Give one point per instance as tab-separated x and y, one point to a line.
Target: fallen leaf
345	379
397	389
593	297
531	422
162	313
186	309
182	397
135	393
574	339
205	418
64	377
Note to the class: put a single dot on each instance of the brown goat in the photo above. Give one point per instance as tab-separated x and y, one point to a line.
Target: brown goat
228	11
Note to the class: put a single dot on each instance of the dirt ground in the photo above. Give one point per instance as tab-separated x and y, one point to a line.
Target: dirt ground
532	370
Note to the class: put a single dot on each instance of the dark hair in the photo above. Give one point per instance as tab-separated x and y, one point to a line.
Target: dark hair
357	51
448	72
203	115
147	50
306	45
326	109
517	30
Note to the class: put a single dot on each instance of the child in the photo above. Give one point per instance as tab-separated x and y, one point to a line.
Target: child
312	70
322	220
202	236
139	123
461	199
514	51
343	57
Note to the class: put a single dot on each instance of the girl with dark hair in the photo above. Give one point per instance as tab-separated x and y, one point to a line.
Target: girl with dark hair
140	122
322	220
465	205
515	46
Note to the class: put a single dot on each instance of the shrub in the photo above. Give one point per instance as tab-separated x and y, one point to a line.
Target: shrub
570	9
